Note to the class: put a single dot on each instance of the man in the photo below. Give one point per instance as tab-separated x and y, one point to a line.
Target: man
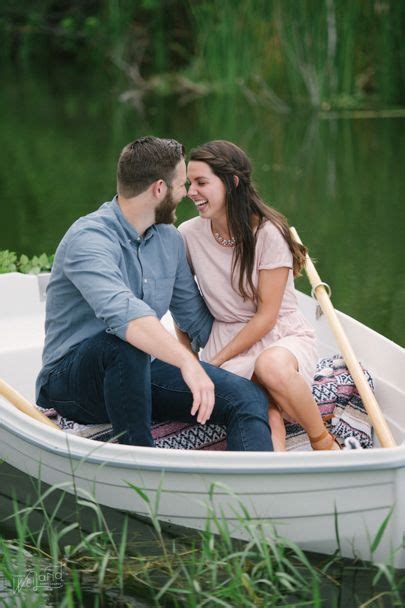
116	271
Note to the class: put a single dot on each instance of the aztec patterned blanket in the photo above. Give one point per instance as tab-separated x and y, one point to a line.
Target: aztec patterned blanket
333	390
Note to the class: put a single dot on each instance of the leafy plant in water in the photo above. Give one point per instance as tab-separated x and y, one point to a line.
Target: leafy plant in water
211	568
36	264
9	262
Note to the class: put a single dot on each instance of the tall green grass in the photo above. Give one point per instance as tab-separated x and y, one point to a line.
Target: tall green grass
367	52
319	41
279	53
320	53
207	569
234	47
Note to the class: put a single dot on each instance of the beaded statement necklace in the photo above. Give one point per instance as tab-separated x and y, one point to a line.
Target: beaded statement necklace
224	242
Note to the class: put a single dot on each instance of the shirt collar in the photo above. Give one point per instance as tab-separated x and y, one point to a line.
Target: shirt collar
130	231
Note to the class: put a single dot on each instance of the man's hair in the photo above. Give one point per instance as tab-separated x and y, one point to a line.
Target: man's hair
146	160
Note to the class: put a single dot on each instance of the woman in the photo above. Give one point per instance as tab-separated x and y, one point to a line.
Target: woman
244	259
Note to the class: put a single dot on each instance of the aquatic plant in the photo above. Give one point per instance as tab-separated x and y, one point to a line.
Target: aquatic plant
279	53
10	262
234	48
205	568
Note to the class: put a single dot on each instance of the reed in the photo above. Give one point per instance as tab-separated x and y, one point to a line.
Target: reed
322	42
231	42
209	568
279	53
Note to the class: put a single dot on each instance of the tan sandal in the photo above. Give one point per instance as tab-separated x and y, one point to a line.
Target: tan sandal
329	446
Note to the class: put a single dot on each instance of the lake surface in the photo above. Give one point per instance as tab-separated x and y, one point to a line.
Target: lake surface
340	181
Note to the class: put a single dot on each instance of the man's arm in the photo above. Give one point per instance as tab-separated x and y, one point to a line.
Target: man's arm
149	335
189	311
92	268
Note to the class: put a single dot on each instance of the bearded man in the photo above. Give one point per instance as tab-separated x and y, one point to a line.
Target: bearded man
107	356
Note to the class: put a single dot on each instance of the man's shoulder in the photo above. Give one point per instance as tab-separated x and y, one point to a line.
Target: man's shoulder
166	229
101	223
95	230
168	232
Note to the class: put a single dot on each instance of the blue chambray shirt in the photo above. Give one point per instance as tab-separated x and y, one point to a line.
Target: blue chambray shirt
105	274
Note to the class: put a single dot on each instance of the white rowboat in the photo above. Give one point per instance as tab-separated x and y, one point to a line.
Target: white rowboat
297	492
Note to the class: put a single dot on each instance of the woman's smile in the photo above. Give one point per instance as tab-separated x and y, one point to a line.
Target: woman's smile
201	205
206	190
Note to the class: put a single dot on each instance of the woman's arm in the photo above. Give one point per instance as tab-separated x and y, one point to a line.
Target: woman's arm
184	340
271	289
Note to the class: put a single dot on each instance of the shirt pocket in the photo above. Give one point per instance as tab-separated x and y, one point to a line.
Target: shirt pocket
158	293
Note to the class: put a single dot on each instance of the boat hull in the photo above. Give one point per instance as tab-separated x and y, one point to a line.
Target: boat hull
305	496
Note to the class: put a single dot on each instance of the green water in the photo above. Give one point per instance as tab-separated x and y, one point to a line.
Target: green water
338	180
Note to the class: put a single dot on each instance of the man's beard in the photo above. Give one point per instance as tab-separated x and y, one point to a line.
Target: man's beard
165	211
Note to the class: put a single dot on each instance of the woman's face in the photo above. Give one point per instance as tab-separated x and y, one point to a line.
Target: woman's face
206	190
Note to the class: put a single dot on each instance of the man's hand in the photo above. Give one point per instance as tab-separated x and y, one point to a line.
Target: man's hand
201	387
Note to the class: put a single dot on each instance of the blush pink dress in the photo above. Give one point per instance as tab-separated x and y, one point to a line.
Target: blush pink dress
212	263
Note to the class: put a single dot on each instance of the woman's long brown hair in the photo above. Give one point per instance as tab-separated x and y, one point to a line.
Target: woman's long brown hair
244	208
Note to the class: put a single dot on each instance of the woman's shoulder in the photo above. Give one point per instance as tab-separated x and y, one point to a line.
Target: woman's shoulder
272	248
269	231
193	226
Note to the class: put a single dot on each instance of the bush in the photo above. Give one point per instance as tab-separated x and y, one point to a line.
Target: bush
9	262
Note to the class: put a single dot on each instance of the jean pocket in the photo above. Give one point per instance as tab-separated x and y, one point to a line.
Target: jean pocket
58	386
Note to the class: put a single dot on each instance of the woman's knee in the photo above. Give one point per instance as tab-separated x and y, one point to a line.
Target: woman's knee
238	391
274	371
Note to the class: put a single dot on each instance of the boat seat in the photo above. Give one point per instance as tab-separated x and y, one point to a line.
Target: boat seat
333	389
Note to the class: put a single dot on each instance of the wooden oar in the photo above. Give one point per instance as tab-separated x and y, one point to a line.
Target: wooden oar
21	403
370	403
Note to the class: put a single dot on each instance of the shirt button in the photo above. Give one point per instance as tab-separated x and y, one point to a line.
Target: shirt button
138	239
145	280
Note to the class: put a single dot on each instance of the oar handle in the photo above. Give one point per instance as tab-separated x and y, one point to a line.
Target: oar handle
22	404
370	403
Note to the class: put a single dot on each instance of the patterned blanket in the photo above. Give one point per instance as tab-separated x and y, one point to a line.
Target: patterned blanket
333	389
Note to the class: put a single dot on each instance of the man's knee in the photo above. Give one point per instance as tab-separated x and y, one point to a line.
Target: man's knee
239	391
115	348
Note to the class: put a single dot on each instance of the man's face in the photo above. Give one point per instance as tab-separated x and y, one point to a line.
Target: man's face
165	211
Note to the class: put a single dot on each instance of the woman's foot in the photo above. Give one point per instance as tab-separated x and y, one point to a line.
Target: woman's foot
324	441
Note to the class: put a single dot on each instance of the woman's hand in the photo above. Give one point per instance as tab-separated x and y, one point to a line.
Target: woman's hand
271	289
216	361
185	341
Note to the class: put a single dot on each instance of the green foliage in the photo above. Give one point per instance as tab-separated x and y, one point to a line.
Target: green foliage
208	568
320	53
9	262
231	41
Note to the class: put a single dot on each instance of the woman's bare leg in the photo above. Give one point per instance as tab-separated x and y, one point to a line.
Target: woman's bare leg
276	423
277	426
277	371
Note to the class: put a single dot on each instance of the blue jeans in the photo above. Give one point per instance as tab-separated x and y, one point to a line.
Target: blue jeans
105	379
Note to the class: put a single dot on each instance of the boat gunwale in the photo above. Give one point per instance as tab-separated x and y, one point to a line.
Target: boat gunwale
77	449
122	456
